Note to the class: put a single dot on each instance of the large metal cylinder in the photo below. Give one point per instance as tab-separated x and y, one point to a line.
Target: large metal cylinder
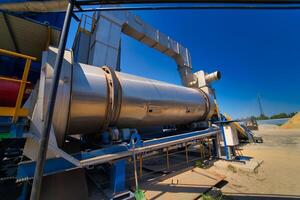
142	102
91	98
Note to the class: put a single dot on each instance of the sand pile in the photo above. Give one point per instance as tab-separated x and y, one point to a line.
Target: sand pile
294	122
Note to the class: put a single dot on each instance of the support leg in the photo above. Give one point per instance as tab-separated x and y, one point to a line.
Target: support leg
118	176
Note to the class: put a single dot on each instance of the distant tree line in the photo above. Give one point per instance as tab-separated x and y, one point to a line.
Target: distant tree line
276	116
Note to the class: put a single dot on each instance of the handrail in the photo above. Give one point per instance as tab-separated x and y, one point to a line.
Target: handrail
14	54
17	111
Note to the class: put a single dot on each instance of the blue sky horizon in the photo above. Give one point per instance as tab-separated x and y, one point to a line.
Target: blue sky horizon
257	52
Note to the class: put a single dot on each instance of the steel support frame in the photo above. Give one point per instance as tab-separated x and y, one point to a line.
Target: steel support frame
113	153
41	159
116	154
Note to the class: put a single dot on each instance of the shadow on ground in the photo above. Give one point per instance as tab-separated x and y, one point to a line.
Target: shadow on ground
245	196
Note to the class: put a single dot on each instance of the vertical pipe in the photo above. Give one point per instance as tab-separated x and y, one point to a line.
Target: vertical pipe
201	150
168	162
214	147
134	167
38	175
209	147
186	153
218	149
141	165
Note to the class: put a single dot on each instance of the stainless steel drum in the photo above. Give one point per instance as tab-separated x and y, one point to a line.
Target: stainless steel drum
99	97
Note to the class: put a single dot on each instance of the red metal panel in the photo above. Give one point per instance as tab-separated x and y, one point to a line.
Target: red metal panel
9	91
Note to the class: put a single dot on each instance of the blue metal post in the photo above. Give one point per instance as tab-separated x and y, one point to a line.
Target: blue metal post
24	193
215	147
118	176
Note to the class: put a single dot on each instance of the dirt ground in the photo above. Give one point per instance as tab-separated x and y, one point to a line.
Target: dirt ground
278	177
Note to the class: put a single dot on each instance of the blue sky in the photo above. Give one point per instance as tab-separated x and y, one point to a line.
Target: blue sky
257	52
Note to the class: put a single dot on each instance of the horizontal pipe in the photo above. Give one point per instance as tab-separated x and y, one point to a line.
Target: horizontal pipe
217	6
103	2
109	157
206	133
196	7
213	76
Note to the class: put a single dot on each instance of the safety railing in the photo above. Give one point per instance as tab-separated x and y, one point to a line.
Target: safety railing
151	167
16	111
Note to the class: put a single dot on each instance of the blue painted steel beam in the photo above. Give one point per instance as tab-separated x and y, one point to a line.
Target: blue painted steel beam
55	165
100	152
178	137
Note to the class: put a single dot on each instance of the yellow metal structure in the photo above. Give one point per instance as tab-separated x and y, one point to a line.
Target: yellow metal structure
17	111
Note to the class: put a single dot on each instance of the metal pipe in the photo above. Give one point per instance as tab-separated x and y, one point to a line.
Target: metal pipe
38	175
186	153
213	77
152	147
95	2
168	162
196	7
134	166
51	7
141	165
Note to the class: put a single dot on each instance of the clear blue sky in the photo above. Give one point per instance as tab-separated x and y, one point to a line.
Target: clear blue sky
258	52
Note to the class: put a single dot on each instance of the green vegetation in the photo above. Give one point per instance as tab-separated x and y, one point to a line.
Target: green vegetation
282	115
276	116
4	135
199	164
262	117
210	197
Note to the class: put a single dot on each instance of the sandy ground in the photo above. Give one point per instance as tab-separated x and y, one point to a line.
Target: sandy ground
278	175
